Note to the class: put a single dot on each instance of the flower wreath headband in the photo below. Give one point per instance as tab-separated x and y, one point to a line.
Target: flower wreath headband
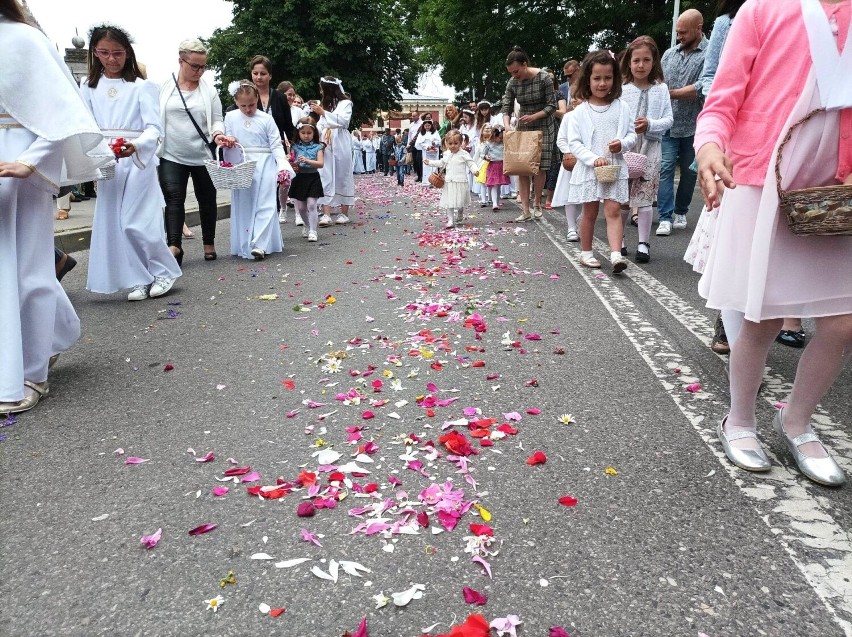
303	125
235	86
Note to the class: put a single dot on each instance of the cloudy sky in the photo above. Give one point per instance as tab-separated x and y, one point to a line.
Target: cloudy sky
157	30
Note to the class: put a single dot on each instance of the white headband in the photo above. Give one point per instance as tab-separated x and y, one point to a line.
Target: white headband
302	125
234	86
336	81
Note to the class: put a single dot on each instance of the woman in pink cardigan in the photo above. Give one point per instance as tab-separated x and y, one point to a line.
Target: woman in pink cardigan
756	265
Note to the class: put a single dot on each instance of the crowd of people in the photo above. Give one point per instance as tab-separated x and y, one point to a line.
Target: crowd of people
615	134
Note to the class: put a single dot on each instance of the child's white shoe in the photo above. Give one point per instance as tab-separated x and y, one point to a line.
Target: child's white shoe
312	235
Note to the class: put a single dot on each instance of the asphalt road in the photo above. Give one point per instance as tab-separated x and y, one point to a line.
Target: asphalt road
665	539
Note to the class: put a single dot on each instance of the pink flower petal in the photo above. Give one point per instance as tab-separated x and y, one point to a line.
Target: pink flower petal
150	541
367	415
693	388
485	565
219	491
208	458
533	411
135	460
254	476
204	528
473	597
306	510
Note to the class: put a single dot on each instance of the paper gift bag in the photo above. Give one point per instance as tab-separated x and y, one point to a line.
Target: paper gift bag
522	152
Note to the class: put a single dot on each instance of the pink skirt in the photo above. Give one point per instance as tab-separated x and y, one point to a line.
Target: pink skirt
494	175
756	265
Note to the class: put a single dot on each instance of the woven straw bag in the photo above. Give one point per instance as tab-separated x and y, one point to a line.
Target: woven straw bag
437	179
822	210
236	177
607	174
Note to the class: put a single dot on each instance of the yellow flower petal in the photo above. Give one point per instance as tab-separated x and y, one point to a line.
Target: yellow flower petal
483	512
610	471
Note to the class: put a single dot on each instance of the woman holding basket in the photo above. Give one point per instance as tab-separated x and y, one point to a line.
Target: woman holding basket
756	265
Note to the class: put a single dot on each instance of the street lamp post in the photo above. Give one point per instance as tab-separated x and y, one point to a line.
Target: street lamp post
674	22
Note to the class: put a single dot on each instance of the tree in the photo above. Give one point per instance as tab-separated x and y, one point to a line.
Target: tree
470	38
359	41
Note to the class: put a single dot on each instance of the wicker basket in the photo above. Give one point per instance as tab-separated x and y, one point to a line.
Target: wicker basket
437	179
607	174
238	177
822	210
107	172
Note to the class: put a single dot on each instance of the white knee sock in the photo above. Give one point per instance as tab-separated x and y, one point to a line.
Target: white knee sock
495	195
733	322
572	212
646	216
301	210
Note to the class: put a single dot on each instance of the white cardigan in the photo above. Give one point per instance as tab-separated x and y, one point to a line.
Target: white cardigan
581	129
659	114
208	96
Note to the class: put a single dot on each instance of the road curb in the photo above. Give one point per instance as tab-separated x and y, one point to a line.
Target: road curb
81	238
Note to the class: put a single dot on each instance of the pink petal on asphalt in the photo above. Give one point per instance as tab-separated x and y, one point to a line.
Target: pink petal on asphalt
204	528
135	460
150	541
254	476
219	491
208	458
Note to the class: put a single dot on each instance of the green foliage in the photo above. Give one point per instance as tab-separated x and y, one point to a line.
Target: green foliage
471	38
359	41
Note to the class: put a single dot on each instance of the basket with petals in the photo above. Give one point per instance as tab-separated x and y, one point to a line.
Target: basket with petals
607	174
821	210
227	176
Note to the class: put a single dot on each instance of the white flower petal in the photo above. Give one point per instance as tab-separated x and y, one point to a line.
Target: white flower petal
293	562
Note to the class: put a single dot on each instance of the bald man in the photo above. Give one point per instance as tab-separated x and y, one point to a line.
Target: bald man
682	67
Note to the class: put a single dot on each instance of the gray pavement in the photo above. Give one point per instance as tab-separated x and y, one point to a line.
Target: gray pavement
666	539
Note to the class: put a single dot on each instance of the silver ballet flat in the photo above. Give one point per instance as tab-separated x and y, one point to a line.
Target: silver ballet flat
748	459
821	470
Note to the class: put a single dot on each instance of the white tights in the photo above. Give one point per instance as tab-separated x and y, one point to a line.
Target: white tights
572	213
495	195
308	212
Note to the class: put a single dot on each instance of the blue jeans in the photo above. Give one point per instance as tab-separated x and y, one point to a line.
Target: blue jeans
400	173
677	151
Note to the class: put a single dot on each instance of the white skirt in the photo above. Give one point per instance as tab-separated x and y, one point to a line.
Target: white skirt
756	265
455	195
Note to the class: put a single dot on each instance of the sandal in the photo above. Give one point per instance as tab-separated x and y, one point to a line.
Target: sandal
591	262
36	392
523	219
719	344
62	214
791	338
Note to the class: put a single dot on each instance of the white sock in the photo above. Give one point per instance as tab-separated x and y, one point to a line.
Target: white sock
585	256
646	217
572	212
614	256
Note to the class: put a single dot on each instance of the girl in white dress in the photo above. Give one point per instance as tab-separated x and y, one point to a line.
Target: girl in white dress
338	182
600	130
429	143
128	245
468	127
357	154
37	150
480	187
458	163
563	181
254	223
649	101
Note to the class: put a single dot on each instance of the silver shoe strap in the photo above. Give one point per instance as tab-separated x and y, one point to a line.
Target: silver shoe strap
739	435
805	438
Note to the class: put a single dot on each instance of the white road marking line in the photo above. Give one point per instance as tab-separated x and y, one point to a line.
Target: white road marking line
782	497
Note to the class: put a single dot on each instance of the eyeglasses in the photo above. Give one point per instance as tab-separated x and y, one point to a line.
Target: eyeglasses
106	53
195	67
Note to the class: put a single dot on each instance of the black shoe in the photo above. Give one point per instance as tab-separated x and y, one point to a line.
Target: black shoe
179	255
791	338
643	257
625	252
65	265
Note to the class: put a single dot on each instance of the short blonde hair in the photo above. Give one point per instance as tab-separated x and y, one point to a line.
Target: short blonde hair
192	46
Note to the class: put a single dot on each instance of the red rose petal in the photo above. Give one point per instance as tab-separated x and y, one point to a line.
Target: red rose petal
537	458
275	612
204	528
568	501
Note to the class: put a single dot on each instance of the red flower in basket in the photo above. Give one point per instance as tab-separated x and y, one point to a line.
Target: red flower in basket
226	164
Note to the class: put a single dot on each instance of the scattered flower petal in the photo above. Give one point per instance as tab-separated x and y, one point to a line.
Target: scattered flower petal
150	541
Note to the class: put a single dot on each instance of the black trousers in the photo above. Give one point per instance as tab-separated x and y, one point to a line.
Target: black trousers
174	179
418	164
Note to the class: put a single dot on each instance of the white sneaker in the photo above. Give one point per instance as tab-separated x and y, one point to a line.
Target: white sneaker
572	236
282	216
138	293
304	231
341	219
299	221
312	236
258	254
324	220
679	222
664	229
160	286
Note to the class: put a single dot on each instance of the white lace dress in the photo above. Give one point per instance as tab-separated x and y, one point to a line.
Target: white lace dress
584	185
